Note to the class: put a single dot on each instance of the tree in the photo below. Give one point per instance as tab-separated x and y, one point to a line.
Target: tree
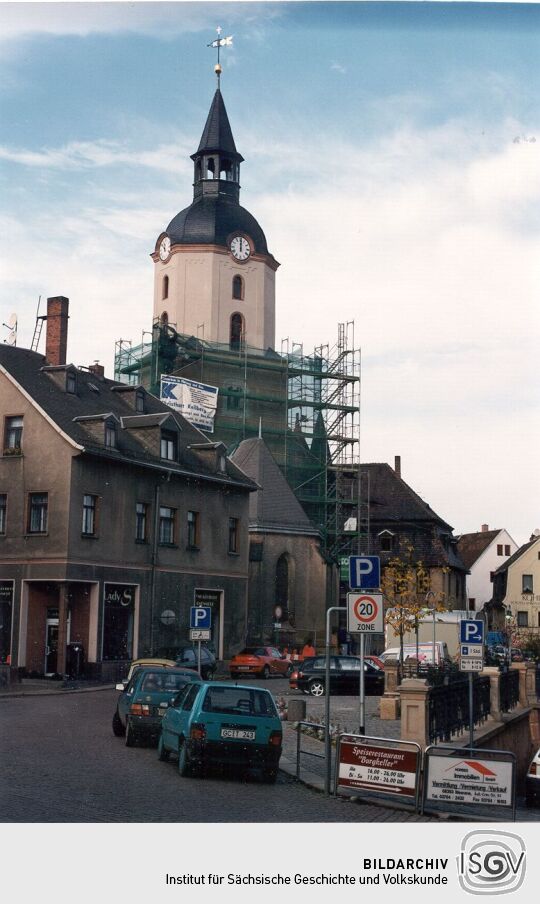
406	585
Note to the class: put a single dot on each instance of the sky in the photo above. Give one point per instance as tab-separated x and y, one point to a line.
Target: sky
392	157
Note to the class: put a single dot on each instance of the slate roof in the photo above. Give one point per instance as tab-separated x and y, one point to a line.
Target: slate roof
25	367
274	506
471	546
217	134
211	220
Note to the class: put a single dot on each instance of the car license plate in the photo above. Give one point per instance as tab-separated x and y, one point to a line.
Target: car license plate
242	734
244	668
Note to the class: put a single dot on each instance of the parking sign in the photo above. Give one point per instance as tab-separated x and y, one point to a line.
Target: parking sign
471	631
364	572
200	617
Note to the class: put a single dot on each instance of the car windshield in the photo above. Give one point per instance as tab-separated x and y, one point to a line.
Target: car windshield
238	701
163	681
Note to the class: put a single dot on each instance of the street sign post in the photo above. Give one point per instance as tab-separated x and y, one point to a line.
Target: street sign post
471	631
364	572
471	659
365	615
200	625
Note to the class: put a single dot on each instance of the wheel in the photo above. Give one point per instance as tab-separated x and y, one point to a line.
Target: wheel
117	727
162	752
316	688
265	673
270	776
130	736
184	765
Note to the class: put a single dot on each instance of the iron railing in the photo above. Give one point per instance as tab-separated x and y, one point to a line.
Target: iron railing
509	689
448	707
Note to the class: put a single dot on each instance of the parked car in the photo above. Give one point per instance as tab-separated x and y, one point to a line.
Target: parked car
532	782
188	657
261	661
374	660
222	724
344	676
425	652
142	703
144	663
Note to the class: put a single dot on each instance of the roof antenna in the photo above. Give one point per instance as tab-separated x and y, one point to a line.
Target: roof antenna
220	42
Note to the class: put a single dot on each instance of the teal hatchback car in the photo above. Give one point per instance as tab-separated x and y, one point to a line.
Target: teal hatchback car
222	725
147	696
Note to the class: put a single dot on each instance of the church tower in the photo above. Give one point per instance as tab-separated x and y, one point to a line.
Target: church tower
214	276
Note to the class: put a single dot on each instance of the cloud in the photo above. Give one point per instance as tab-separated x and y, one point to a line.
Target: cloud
102	153
337	67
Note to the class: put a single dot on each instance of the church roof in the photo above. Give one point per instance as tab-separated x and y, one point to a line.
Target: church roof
211	220
274	507
217	134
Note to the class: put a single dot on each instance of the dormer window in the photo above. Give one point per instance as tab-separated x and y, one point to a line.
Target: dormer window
139	401
71	382
386	541
169	445
110	435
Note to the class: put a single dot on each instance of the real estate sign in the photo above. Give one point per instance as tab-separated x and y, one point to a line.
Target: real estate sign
469	781
197	402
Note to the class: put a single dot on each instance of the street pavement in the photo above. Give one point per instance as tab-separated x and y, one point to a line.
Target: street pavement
59	762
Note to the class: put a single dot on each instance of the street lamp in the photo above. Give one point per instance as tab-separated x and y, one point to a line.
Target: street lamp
428	594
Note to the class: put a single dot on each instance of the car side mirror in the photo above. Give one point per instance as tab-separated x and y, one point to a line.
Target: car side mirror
121	687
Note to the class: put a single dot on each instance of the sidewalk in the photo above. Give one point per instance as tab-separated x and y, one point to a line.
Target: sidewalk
33	687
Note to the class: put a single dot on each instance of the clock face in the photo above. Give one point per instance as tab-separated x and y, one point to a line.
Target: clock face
165	248
240	248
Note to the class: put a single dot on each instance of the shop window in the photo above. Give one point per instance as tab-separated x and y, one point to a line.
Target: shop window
118	619
38	504
6	612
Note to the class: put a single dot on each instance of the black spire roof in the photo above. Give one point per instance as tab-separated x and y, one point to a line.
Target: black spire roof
217	134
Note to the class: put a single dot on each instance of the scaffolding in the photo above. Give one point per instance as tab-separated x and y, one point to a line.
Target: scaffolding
305	406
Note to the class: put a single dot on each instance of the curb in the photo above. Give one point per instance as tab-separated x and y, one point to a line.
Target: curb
8	695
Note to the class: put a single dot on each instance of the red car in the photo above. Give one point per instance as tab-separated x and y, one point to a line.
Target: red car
261	661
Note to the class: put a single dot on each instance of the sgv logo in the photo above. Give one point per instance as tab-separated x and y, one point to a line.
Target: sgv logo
491	863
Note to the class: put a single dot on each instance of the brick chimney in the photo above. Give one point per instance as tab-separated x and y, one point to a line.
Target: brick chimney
397	465
485	528
57	330
97	369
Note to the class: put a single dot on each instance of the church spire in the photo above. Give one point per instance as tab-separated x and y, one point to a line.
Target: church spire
217	162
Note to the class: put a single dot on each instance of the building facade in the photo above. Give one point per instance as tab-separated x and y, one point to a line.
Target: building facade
116	516
483	553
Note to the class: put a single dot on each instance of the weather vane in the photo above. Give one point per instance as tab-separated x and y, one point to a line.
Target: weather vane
220	42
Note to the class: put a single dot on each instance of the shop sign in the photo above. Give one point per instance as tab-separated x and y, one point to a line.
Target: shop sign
377	768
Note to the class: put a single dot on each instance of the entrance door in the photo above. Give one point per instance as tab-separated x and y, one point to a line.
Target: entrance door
51	646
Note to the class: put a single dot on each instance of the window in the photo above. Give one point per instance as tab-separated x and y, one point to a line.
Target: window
491	576
472	603
37	513
13	434
507	549
3	512
71	382
165	287
499	549
166	525
238	287
527	583
233	535
523	619
233	398
193	538
110	435
141	514
169	443
386	540
89	516
139	401
118	622
236	332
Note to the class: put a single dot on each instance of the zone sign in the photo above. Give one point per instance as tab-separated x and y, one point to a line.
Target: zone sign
365	613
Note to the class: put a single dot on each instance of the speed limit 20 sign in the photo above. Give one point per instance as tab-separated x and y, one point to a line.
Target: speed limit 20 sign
365	613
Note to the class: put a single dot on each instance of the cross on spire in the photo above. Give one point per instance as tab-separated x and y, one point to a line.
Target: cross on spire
218	43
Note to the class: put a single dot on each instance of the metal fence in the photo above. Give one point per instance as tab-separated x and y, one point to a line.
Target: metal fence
509	689
448	707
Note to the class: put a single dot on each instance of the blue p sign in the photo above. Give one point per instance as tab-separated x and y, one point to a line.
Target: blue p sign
364	572
201	617
471	631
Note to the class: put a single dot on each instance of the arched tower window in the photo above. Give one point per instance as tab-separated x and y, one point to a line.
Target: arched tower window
164	319
237	331
211	168
238	287
165	287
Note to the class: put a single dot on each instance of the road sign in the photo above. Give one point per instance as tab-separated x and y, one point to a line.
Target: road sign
200	617
476	651
471	631
199	634
468	664
364	572
365	613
